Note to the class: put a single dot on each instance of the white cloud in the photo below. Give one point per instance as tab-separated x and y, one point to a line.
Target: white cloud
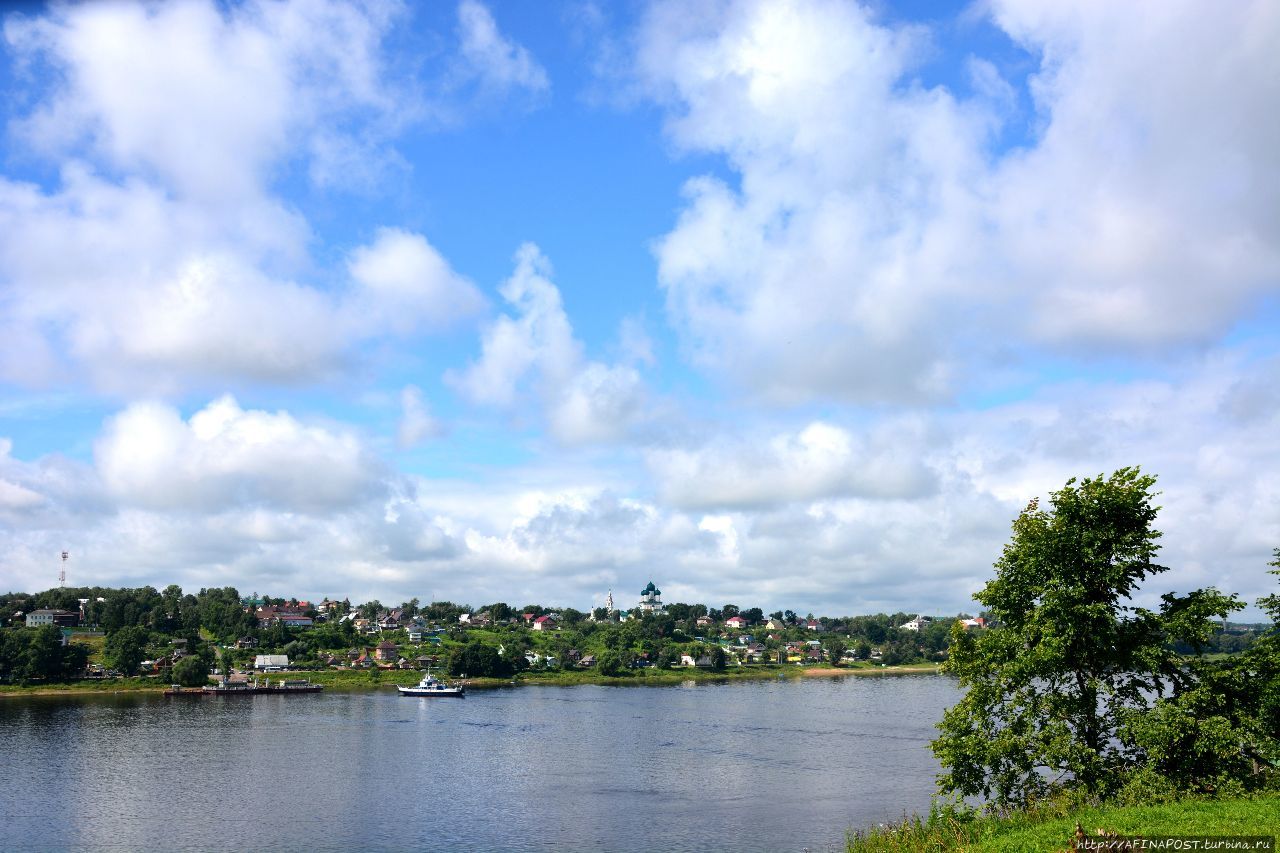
14	496
407	284
162	256
224	457
877	242
495	60
584	401
416	421
272	502
138	291
205	99
819	461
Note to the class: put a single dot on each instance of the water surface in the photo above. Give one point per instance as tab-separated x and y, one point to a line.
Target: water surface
738	766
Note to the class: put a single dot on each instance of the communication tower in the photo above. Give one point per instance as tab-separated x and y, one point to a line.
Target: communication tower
62	575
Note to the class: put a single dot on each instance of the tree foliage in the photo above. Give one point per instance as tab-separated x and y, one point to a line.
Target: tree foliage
480	661
1220	730
191	672
126	648
37	654
1052	692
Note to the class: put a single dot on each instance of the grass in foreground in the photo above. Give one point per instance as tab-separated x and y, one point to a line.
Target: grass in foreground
1052	827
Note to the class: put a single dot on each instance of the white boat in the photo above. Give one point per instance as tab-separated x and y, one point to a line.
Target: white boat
432	686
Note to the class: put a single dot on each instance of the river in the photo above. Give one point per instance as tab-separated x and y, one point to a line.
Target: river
769	766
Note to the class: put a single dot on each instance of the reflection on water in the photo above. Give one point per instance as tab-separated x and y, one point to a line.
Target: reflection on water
743	766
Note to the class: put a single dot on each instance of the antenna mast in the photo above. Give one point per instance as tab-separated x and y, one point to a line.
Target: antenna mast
62	575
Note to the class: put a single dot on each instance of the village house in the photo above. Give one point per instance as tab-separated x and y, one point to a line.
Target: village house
775	624
246	643
704	621
386	651
544	623
737	623
61	618
814	625
916	624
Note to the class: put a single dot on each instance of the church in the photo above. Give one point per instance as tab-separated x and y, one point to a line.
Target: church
651	601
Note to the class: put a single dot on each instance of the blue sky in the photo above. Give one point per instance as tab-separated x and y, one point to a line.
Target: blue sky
781	304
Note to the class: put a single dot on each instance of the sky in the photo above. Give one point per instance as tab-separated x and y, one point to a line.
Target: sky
783	304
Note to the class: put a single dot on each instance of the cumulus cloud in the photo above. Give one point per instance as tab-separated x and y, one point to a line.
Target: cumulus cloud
583	401
407	284
272	501
162	255
205	99
224	457
820	461
878	240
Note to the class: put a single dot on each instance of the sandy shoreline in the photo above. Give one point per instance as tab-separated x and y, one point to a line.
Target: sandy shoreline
910	669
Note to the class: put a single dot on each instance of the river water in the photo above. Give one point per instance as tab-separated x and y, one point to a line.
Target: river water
770	766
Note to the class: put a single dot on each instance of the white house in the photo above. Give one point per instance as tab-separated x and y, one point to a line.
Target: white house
736	622
916	624
271	663
38	618
814	625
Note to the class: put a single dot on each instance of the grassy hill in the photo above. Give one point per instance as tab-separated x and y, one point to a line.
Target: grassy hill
1053	829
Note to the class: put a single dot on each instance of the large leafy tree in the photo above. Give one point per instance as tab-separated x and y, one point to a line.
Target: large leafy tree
126	648
191	672
478	660
1050	688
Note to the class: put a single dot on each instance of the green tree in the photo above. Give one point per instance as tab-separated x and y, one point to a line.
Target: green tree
835	649
1049	690
478	660
190	672
609	663
125	648
718	658
1219	731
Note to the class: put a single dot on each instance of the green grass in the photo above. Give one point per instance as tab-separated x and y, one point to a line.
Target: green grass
97	685
1052	827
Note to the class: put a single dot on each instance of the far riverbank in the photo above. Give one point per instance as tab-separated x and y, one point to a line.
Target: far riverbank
364	680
